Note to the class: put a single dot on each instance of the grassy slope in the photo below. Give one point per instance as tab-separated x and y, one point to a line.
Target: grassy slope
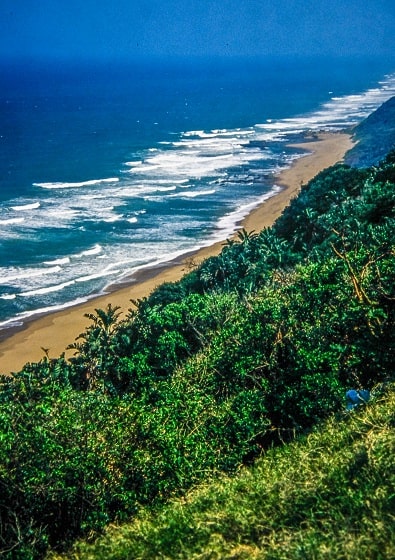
327	496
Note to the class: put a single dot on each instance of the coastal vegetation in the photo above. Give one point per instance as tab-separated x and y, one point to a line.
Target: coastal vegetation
328	495
250	350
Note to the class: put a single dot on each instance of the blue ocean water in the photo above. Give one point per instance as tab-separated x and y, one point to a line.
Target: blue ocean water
105	169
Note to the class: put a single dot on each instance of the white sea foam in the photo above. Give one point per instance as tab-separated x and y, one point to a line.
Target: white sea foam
20	317
156	182
140	189
47	289
146	190
89	252
199	154
59	262
61	185
93	196
113	219
336	114
133	163
28	274
120	261
229	223
166	189
62	213
24	207
192	194
97	275
8	296
163	259
215	133
11	221
196	164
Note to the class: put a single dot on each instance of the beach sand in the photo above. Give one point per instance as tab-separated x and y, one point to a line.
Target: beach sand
55	331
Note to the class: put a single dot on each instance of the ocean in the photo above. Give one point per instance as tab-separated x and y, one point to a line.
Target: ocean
108	168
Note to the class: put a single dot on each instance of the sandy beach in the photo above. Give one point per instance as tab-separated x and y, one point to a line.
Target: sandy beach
56	330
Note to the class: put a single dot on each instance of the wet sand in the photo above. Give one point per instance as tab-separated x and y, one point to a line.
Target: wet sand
55	331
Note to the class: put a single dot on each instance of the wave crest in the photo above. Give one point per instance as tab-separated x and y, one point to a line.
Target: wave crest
60	185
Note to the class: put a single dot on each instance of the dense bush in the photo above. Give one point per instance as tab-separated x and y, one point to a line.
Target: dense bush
250	348
327	496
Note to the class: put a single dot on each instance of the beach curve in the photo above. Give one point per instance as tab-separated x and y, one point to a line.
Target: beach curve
55	331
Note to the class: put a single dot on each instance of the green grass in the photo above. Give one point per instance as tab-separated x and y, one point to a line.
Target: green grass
329	495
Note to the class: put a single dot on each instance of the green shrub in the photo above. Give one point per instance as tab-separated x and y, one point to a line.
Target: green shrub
326	496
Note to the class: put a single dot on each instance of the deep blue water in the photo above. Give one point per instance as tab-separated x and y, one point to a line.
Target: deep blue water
104	169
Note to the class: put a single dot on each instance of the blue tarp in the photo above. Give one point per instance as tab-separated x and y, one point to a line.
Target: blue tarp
356	397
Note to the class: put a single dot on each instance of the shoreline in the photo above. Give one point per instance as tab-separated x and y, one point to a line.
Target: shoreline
56	330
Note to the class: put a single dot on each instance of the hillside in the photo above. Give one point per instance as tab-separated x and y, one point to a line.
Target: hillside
326	496
375	136
249	350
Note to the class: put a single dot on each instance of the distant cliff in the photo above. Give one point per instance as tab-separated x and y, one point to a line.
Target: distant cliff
375	137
